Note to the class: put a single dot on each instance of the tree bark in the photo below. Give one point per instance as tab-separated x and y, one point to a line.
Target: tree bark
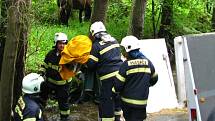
8	64
165	27
99	11
3	28
22	48
14	56
166	20
153	19
3	20
137	20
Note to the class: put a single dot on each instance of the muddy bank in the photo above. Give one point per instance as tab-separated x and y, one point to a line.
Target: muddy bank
88	112
169	115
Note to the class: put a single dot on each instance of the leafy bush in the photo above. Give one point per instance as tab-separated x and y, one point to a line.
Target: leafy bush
45	11
42	39
189	17
118	10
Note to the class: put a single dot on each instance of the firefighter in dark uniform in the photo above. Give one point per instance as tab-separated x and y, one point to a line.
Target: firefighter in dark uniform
134	78
29	106
54	82
105	58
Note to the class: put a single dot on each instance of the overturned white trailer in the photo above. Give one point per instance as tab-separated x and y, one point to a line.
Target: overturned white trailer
162	95
195	63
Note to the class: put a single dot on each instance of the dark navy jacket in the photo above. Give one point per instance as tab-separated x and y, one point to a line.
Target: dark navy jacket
52	65
133	81
105	57
28	109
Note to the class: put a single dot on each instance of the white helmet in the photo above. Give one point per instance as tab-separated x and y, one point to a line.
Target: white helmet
97	27
130	43
31	83
60	37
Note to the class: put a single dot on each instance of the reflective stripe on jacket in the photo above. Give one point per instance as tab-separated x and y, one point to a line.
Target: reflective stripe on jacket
51	64
134	79
105	58
27	109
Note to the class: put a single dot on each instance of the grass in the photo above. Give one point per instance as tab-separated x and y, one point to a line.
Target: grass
41	38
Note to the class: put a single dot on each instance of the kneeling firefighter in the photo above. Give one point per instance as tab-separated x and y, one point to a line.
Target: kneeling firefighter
29	106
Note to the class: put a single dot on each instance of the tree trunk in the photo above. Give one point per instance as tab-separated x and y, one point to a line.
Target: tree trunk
166	20
3	19
213	18
22	48
165	27
20	66
137	20
99	11
3	28
14	55
8	64
153	19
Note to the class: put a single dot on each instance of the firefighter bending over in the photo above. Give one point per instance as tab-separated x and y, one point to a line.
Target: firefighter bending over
105	58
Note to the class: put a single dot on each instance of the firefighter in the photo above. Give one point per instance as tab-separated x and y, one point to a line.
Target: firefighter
54	82
29	106
105	58
134	78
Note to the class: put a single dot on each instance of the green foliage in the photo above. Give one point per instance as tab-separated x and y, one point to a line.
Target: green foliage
148	23
190	16
118	10
118	29
45	11
42	39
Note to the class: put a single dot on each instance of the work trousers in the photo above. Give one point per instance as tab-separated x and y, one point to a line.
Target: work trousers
109	103
62	96
117	105
106	103
133	114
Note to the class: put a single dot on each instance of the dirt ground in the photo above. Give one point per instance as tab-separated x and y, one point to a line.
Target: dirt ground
88	112
169	115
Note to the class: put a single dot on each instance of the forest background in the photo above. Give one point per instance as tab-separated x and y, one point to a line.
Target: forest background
187	17
27	31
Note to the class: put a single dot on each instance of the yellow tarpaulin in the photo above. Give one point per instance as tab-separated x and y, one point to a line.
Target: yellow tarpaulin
76	51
